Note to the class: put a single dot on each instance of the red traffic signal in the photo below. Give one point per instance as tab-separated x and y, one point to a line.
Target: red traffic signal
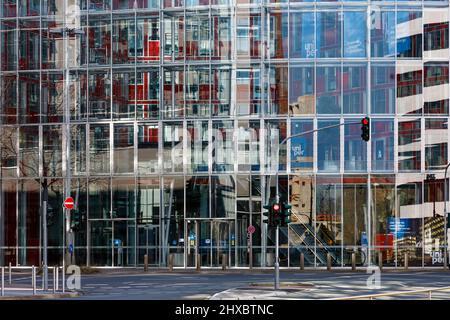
365	129
276	207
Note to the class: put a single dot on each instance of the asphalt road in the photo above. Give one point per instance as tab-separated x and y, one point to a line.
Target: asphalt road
201	286
194	285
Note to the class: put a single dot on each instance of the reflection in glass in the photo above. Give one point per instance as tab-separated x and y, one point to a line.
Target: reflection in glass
223	146
278	34
355	149
223	198
301	33
328	35
383	88
328	90
123	148
147	149
302	147
278	90
99	95
409	34
355	30
409	137
123	198
382	33
52	151
435	89
123	92
173	149
99	148
328	147
198	144
301	90
248	145
409	88
99	198
29	151
355	88
382	140
436	143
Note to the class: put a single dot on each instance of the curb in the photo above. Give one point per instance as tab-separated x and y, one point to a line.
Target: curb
43	296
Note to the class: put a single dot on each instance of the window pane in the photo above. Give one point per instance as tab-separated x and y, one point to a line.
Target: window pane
328	87
78	86
435	91
382	140
148	137
78	149
8	99
435	32
221	91
99	148
301	33
123	198
145	46
99	95
123	37
173	93
276	132
383	88
302	147
29	47
278	86
8	38
99	199
436	144
301	90
278	44
382	35
29	96
248	91
123	148
197	191
221	36
328	35
355	30
52	95
248	34
198	142
99	40
223	195
409	34
197	83
355	149
248	145
173	147
223	146
409	88
9	156
409	138
355	88
123	95
29	151
147	93
198	44
328	147
52	151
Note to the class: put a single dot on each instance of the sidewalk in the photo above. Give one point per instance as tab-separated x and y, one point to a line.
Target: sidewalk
27	294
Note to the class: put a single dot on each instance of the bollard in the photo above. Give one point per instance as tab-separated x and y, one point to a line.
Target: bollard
198	262
171	262
63	276
302	261
10	270
57	278
328	261
224	261
54	279
33	279
3	282
145	262
380	260
353	261
406	260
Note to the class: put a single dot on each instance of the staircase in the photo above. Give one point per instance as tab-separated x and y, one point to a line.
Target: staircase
302	240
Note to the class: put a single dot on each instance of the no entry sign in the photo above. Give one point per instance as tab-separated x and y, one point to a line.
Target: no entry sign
68	203
250	229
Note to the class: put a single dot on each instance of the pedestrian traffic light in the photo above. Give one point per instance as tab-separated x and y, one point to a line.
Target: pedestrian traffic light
276	213
286	213
365	129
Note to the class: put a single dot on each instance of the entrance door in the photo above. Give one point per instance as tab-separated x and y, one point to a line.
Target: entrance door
208	241
148	244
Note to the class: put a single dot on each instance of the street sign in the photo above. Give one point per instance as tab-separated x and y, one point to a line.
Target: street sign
251	229
68	203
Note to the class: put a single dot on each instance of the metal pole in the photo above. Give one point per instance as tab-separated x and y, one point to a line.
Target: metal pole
63	278
54	279
277	264
57	278
3	282
445	217
44	231
33	279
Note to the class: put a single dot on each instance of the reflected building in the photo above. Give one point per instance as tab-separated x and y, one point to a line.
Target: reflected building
162	119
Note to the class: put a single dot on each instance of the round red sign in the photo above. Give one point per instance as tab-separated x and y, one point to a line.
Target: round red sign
68	203
251	229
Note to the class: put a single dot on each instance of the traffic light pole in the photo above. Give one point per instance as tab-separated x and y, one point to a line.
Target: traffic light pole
277	196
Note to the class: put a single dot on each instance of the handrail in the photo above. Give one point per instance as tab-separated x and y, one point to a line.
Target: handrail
395	293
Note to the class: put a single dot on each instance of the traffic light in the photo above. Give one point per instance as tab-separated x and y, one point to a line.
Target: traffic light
276	214
448	222
75	220
267	214
286	213
365	129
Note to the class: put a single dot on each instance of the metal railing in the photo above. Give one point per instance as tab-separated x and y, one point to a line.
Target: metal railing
33	272
395	293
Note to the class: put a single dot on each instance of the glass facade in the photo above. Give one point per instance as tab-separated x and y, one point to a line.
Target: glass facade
161	119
